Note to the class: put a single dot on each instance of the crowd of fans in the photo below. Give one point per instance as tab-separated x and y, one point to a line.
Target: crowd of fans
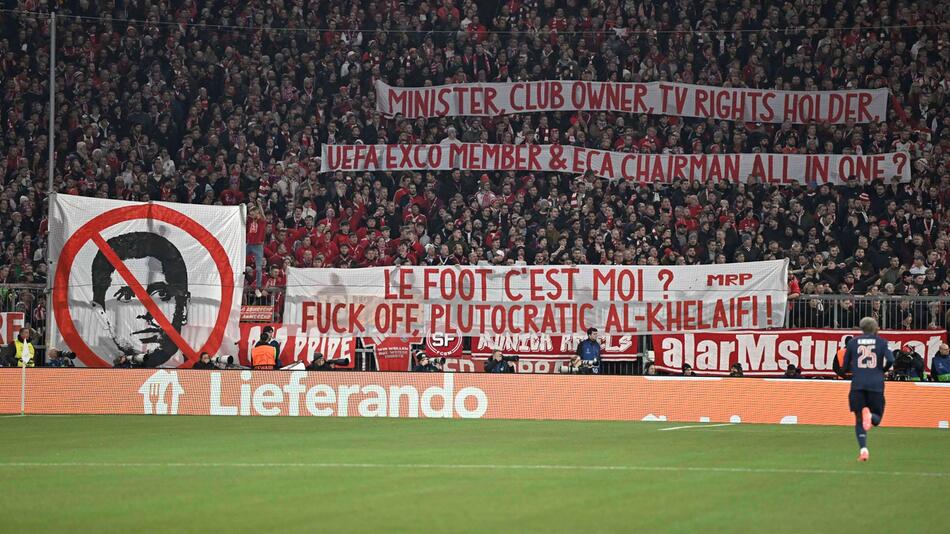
227	102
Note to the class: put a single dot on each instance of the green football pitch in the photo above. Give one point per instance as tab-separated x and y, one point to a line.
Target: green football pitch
203	474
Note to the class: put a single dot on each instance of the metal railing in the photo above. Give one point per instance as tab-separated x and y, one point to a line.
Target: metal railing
845	311
272	297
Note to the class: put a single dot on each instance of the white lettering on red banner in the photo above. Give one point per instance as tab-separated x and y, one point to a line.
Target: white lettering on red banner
675	99
296	346
257	313
439	345
644	168
475	300
613	347
769	353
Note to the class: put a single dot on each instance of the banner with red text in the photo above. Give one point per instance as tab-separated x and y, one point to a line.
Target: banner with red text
769	353
503	300
257	313
439	345
542	353
295	346
661	98
645	168
539	353
391	353
10	325
618	347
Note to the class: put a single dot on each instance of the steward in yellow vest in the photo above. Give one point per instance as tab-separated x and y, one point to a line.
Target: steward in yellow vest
23	351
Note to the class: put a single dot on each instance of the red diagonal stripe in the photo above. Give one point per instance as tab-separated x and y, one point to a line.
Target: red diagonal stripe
144	297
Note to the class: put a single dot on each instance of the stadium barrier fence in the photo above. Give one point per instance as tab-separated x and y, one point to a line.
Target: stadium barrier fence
458	395
807	311
892	312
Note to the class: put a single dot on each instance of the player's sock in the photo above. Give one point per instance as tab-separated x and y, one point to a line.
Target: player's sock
875	419
860	432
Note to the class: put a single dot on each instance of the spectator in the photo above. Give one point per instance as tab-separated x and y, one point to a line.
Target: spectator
497	363
57	358
589	349
649	369
736	370
424	364
908	365
847	314
256	228
21	350
816	314
270	333
940	365
264	354
319	363
204	362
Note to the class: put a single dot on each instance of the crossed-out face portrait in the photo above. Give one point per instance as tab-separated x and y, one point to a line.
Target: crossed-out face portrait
161	270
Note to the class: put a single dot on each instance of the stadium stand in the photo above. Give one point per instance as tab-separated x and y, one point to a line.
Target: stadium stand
229	102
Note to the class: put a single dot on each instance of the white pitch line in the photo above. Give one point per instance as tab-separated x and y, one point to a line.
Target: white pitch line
695	426
500	467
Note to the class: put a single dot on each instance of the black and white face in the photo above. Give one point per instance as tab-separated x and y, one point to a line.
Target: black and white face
132	327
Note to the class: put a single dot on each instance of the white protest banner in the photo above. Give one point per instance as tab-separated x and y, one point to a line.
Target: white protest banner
645	168
152	280
770	352
675	99
477	300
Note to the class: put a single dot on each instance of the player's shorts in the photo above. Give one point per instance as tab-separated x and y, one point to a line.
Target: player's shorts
859	398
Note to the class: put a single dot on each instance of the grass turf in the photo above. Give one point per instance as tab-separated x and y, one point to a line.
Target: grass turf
789	478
